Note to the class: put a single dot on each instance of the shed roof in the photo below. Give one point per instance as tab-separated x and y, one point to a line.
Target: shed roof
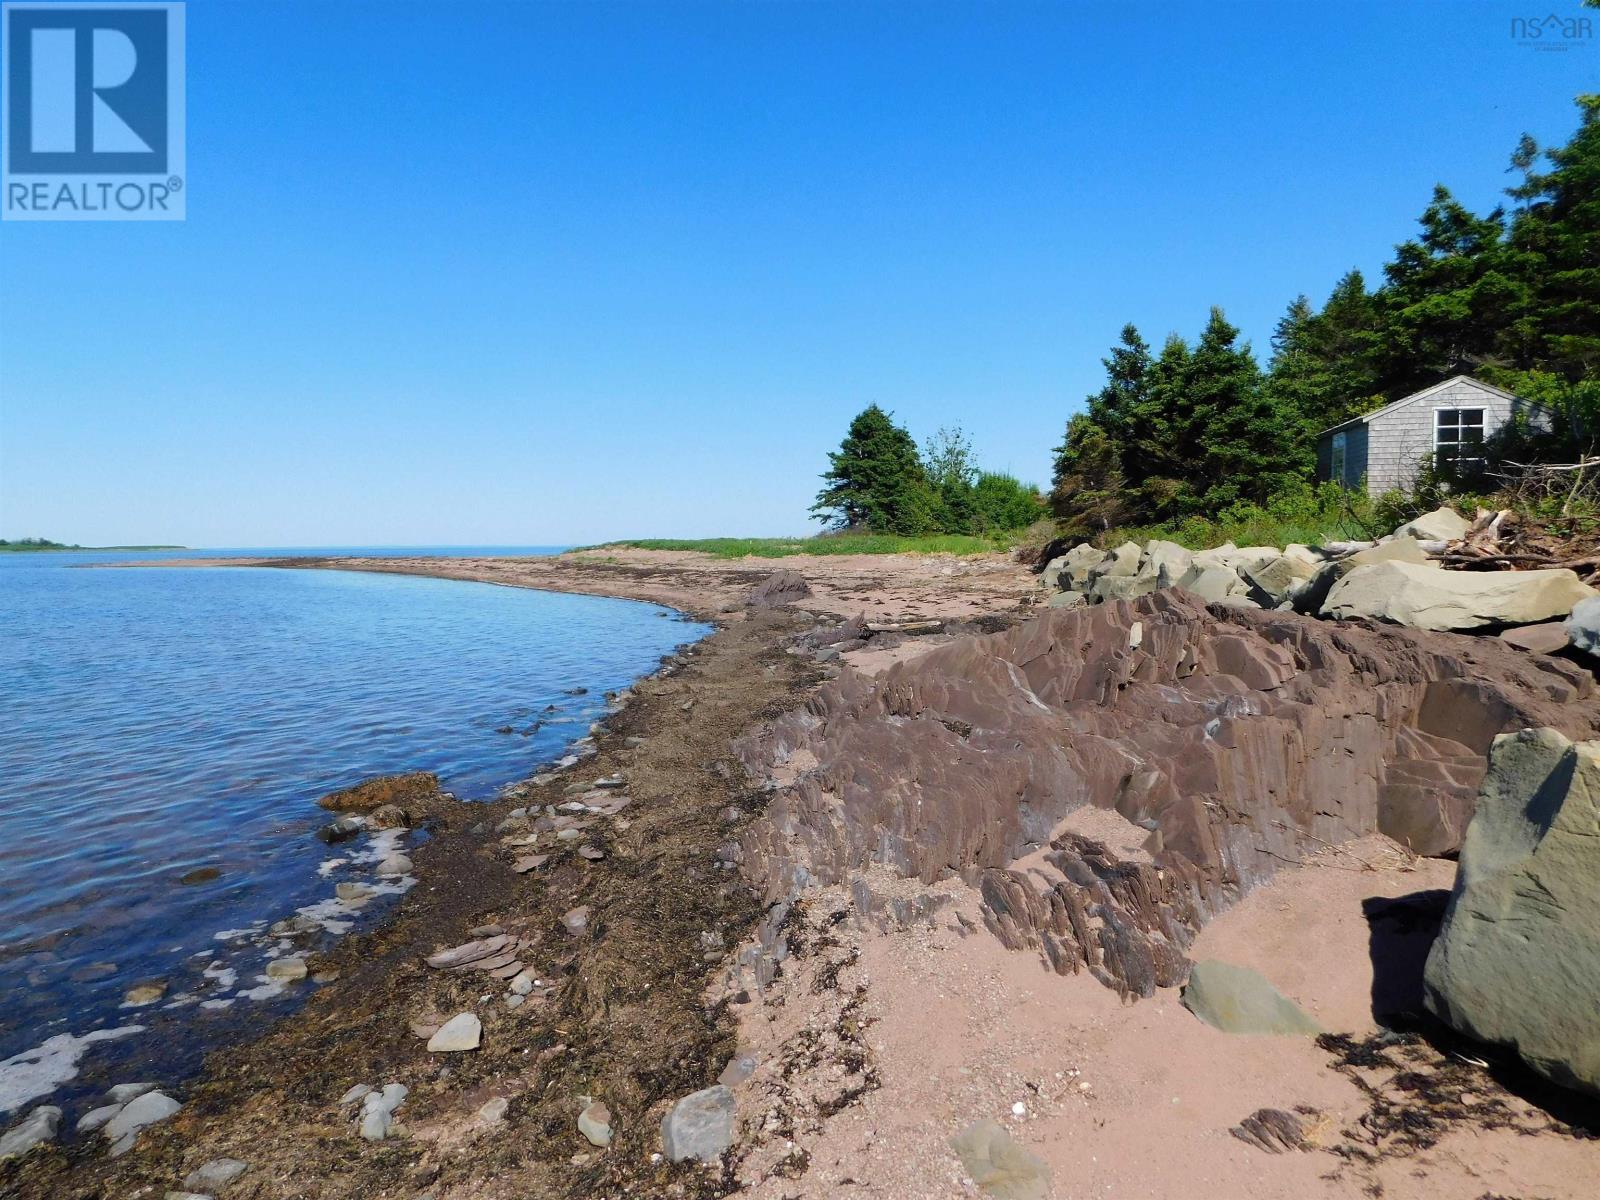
1427	391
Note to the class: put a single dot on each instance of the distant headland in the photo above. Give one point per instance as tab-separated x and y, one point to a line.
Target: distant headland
36	543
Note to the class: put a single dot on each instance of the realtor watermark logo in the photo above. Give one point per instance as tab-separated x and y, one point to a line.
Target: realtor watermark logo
92	112
1552	32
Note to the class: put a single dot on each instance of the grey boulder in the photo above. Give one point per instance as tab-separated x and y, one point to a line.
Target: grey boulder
1440	525
37	1128
1517	961
1239	1000
140	1112
1583	626
214	1175
700	1126
1424	596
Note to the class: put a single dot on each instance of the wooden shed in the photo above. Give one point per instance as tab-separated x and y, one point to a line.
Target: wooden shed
1383	448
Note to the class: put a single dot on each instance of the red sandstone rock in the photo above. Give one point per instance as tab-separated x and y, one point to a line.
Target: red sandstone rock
1241	739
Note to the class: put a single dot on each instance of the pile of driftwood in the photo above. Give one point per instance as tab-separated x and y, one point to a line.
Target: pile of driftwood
1502	540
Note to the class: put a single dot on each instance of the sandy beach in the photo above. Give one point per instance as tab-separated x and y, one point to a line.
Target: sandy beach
862	1027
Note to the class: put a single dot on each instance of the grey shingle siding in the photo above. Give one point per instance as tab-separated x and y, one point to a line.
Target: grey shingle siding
1393	440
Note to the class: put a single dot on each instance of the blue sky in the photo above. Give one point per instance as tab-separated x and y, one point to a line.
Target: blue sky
485	272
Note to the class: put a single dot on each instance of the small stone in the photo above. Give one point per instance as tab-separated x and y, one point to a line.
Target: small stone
124	1092
215	1175
522	983
287	969
531	862
594	1122
353	893
740	1067
515	1001
35	1129
122	1145
356	1093
144	993
395	864
460	1033
576	921
494	1111
699	1126
569	835
198	875
592	853
188	1196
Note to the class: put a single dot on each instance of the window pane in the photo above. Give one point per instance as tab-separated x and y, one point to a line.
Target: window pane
1448	418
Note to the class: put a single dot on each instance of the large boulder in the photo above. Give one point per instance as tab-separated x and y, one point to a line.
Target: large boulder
1164	562
1275	581
1120	587
1309	596
1440	525
1248	558
1077	564
1121	560
1213	583
1517	962
1425	596
1583	626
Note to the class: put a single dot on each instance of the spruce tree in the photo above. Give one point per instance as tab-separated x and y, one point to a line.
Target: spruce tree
1251	442
1555	244
875	480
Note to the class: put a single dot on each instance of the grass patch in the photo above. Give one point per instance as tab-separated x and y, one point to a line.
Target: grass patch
1311	516
827	543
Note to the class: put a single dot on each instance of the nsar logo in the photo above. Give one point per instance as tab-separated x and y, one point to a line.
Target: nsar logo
93	124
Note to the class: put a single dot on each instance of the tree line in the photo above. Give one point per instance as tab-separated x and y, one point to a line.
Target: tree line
879	482
1512	297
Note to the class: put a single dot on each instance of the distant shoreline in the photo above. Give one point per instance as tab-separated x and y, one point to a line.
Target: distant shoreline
19	549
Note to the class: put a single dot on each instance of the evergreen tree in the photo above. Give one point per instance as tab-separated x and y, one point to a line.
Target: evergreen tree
1089	494
1555	244
875	480
1448	301
1250	443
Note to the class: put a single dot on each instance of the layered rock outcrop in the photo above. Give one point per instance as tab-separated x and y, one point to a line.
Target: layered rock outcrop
1238	740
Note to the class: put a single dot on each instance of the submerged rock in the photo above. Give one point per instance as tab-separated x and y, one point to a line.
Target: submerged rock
287	969
1517	961
1239	1000
414	789
699	1126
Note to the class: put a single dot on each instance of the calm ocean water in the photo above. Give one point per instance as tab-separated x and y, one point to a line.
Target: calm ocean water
155	722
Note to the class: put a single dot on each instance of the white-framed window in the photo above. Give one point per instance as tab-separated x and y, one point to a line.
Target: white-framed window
1458	437
1336	458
